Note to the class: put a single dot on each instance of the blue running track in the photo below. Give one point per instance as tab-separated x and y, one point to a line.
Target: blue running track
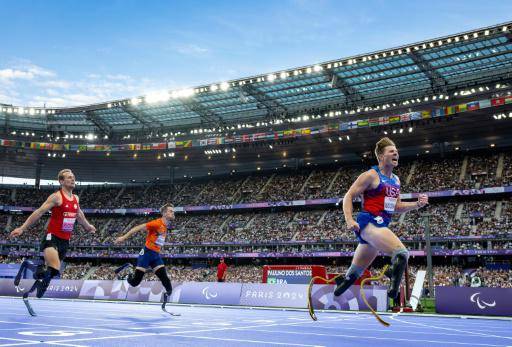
97	323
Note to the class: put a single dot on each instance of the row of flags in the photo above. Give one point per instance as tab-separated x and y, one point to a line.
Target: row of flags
269	136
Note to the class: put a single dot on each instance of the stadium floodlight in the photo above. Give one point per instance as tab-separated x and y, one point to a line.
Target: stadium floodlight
394	131
348	137
401	131
49	154
283	75
330	140
54	155
63	155
271	77
410	129
486	32
270	146
156	97
493	145
135	101
309	70
214	88
224	86
317	68
172	154
385	132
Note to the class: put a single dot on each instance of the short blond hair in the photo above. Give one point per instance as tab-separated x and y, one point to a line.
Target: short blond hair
60	176
165	207
381	144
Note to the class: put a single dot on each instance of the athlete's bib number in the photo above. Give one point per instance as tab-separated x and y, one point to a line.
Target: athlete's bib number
389	204
160	240
67	224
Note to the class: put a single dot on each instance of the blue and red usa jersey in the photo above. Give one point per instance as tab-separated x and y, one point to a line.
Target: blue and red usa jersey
382	200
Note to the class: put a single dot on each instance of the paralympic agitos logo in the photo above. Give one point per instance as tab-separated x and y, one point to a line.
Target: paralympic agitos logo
209	295
481	303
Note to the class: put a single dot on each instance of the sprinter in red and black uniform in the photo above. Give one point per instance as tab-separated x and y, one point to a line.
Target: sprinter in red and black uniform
65	210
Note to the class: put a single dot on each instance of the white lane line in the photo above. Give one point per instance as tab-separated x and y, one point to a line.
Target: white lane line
249	341
443	342
452	329
388	330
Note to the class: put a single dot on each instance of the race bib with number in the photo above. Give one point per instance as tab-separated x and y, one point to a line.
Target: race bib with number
389	204
68	224
160	240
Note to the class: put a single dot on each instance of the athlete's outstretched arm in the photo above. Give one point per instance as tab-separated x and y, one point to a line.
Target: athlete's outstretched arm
80	218
402	207
132	231
358	187
50	203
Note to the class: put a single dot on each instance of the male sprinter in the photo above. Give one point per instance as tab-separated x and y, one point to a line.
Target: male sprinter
380	189
65	209
149	256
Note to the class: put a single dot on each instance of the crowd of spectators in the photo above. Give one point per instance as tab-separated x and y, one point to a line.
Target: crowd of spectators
420	175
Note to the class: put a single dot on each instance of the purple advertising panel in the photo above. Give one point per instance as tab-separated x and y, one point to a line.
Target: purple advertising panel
66	289
274	295
295	295
323	297
210	293
474	301
96	289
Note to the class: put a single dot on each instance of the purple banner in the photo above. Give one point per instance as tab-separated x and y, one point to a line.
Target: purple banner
323	298
66	289
274	295
210	293
474	301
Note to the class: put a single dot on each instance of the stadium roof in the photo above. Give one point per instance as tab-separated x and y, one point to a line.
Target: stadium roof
430	68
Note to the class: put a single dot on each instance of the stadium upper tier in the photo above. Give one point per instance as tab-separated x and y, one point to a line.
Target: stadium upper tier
387	79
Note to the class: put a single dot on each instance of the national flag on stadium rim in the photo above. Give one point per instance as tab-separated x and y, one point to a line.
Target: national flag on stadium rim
259	136
394	119
84	147
270	136
363	123
352	125
146	146
179	144
472	106
427	114
383	120
220	141
373	122
315	130
203	142
57	147
449	110
508	99
484	103
344	126
415	115
305	131
229	140
238	138
171	144
323	129
461	108
405	117
246	138
66	147
8	143
438	112
498	101
187	143
161	145
280	134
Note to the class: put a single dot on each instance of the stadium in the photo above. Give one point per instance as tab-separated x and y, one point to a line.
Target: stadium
256	169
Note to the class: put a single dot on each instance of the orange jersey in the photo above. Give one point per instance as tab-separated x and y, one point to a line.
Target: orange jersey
157	230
